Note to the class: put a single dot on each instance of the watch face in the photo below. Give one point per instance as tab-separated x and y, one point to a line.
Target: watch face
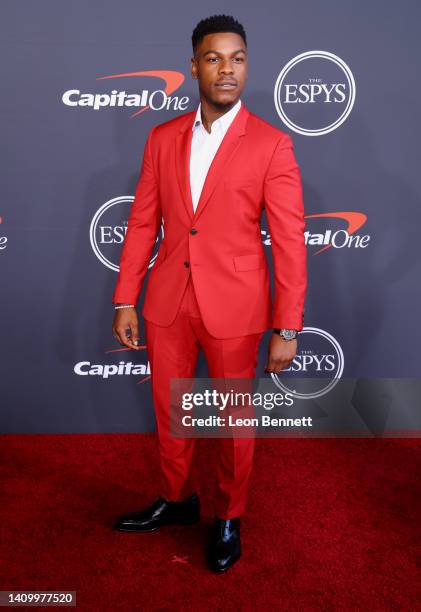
289	334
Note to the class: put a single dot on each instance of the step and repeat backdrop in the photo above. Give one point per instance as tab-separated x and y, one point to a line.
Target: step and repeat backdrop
84	82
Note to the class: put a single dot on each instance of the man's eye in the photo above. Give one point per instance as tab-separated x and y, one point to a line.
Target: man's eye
236	59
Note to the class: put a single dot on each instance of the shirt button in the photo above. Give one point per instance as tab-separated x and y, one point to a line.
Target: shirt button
193	231
186	263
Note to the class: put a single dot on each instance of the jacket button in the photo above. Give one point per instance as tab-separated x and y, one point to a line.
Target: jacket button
193	231
186	263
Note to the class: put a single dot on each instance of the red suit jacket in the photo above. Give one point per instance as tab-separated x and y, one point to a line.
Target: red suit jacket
221	243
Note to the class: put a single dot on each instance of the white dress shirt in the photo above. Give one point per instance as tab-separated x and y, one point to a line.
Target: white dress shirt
204	147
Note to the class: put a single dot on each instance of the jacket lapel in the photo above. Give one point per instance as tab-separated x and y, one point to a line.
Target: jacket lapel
182	161
215	174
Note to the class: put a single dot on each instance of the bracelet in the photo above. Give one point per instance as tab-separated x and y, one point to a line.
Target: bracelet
124	306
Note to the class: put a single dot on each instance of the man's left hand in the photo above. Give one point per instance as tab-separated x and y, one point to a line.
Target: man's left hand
280	354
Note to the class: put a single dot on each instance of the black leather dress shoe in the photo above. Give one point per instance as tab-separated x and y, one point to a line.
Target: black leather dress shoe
161	512
225	545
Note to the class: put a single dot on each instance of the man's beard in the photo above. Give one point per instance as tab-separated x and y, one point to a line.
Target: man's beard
220	106
223	106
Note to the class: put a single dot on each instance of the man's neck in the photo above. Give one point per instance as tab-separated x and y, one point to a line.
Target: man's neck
210	112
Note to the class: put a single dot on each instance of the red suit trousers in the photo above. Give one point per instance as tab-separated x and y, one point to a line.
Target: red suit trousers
173	352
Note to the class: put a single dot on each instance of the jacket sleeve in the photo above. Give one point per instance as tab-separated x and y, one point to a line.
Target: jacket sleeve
142	229
285	214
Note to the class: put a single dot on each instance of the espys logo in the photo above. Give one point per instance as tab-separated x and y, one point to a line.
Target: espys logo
108	229
154	99
341	238
3	239
314	93
316	368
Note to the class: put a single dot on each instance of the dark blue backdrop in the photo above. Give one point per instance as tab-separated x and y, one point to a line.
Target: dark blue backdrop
69	172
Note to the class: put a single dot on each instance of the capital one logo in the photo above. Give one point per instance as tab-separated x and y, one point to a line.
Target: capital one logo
3	239
336	237
122	368
108	229
151	97
314	93
107	370
316	368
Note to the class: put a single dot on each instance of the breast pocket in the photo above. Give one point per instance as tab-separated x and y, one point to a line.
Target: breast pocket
237	184
253	261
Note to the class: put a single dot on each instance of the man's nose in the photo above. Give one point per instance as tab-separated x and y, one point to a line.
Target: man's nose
226	67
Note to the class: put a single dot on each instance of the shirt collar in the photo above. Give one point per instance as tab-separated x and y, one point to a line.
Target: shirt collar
223	121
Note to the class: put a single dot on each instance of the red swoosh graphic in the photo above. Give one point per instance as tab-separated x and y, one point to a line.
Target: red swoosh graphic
126	348
172	79
355	220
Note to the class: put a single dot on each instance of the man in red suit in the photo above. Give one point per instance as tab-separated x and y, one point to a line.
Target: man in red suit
208	175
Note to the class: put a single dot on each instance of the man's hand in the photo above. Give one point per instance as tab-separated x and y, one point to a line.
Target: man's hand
126	327
280	354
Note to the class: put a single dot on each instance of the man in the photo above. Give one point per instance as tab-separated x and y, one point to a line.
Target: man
207	175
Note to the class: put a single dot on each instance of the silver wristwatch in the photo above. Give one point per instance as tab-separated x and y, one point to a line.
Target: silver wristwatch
287	334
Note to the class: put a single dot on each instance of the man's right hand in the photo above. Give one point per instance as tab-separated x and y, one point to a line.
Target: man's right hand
126	327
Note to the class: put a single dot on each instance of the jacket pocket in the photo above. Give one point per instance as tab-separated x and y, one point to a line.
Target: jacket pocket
254	261
240	183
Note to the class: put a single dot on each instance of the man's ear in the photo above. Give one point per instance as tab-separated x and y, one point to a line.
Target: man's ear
193	68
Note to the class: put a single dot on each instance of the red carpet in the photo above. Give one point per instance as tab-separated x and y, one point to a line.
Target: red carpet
331	525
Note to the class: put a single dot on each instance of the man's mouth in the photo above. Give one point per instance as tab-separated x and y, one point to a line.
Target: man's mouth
226	85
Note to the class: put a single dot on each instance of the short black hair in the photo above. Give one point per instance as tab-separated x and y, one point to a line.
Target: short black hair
214	24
